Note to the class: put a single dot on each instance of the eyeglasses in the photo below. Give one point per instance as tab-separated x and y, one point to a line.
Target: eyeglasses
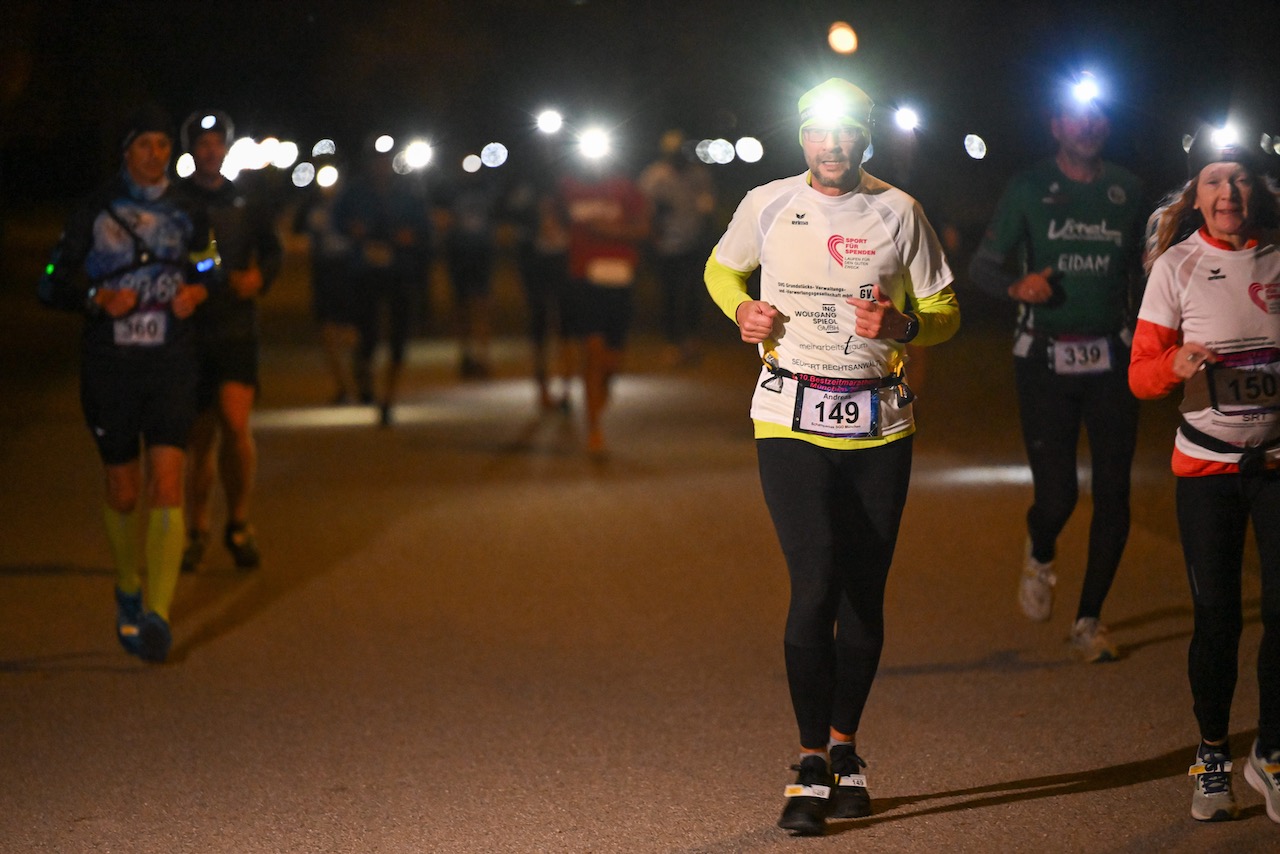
844	133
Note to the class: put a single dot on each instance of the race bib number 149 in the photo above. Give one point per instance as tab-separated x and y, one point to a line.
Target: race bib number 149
839	408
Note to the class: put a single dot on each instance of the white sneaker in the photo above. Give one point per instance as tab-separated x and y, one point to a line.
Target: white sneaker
1263	773
1211	799
1091	642
1035	590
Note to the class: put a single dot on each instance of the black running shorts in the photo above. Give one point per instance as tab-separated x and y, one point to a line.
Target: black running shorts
142	398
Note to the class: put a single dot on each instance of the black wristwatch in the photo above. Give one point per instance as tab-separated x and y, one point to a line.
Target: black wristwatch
913	328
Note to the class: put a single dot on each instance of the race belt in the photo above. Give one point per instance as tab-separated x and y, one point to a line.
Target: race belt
837	407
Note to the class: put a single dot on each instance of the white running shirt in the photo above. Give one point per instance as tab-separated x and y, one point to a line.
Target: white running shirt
816	250
1229	301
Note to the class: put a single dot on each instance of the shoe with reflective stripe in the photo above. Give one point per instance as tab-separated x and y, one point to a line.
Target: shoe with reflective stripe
1263	773
1211	799
1035	588
808	798
128	615
849	798
1092	642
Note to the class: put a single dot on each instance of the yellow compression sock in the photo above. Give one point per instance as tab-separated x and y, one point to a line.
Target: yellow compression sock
122	534
165	540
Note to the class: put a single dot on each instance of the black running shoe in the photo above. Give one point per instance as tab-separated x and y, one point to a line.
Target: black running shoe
193	554
849	798
242	545
154	638
807	798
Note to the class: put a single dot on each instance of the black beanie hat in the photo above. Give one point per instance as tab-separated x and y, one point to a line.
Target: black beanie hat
148	118
1203	150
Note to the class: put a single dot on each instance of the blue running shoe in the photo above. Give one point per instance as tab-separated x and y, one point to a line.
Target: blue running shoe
128	615
154	638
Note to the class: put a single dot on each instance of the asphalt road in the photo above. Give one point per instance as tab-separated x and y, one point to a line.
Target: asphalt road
468	636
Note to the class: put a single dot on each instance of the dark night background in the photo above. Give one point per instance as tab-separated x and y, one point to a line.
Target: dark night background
464	73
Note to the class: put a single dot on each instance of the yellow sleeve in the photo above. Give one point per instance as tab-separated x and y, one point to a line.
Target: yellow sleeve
939	317
728	287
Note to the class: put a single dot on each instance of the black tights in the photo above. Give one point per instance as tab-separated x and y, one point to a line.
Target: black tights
1213	513
836	514
1052	408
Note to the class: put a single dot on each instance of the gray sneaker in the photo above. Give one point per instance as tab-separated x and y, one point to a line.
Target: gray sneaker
1263	773
1091	641
1211	799
1035	589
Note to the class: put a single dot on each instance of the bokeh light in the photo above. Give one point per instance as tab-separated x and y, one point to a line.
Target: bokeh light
975	146
323	147
185	166
472	163
418	154
842	38
303	174
720	151
494	154
384	143
327	176
594	144
286	154
550	121
749	149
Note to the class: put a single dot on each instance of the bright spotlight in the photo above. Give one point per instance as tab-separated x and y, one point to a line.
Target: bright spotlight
1224	137
303	174
327	175
186	165
384	143
975	146
549	121
842	38
594	144
418	154
323	147
906	118
494	154
1086	89
749	149
472	163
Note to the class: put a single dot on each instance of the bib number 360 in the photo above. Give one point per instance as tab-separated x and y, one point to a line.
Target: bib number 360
146	328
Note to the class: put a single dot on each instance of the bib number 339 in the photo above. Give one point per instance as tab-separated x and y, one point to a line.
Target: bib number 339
1081	355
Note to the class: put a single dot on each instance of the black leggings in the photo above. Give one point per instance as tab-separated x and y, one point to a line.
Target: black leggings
1213	513
836	514
393	294
1052	407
